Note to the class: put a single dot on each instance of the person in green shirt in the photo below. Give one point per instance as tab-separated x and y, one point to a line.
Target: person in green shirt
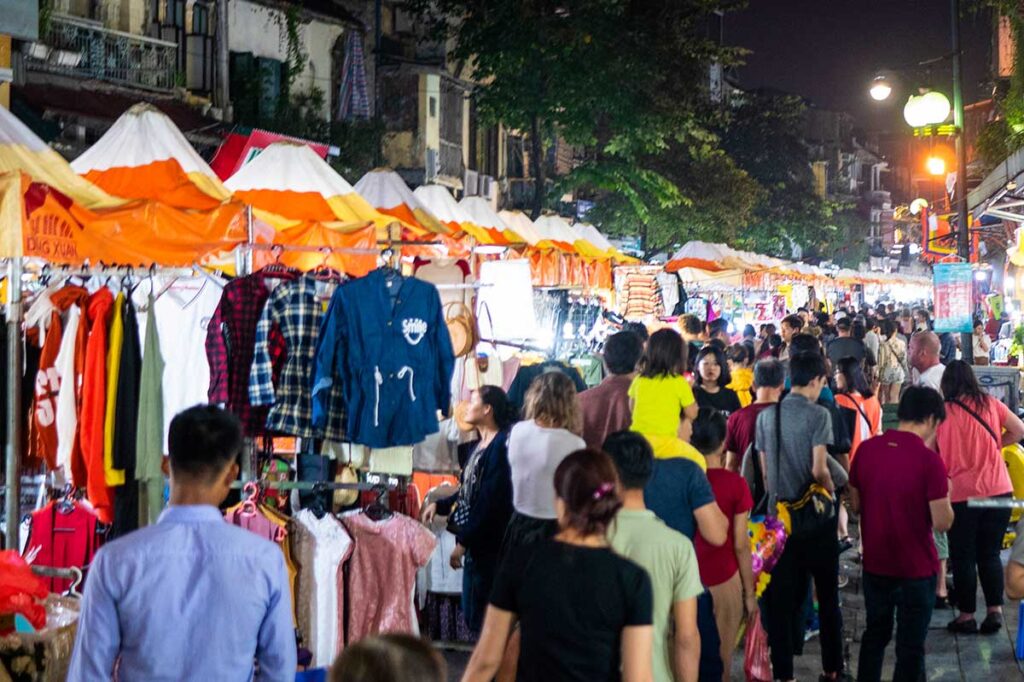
668	557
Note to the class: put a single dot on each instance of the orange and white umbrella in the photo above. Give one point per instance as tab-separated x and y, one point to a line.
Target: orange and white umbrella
145	156
385	190
289	183
442	205
22	151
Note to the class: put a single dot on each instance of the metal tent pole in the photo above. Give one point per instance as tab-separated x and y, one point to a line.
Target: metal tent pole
12	450
245	267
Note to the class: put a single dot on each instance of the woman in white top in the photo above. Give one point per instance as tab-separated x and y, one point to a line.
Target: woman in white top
982	344
536	447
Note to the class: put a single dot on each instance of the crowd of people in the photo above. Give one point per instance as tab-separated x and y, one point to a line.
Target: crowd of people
603	535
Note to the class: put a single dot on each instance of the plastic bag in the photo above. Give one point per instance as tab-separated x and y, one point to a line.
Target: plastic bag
757	664
21	590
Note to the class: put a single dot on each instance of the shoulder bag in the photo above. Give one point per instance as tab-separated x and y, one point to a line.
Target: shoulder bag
815	510
462	327
977	417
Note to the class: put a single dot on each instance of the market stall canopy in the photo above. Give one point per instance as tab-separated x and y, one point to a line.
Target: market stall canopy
145	156
481	213
39	221
717	257
385	190
521	224
592	235
288	183
442	205
555	232
21	151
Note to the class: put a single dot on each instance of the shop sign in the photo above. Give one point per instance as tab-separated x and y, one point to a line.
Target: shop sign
953	288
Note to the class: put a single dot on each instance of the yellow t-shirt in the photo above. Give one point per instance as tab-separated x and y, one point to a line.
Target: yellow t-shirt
657	404
742	382
671	447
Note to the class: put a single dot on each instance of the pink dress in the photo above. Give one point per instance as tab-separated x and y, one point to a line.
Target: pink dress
382	572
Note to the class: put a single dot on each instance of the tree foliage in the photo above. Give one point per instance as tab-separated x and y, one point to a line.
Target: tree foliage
627	81
620	78
763	136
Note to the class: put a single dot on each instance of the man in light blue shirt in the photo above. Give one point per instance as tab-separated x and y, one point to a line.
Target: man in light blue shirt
193	597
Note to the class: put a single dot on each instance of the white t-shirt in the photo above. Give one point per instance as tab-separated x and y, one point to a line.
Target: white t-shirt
183	311
534	452
67	415
932	378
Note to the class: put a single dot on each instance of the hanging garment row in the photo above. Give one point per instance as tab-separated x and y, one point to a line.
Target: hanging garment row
380	349
97	350
370	553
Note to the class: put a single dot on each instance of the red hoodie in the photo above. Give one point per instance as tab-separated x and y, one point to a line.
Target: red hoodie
42	441
94	402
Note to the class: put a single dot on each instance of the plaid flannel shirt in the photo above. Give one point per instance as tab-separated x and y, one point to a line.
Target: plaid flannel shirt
230	347
293	309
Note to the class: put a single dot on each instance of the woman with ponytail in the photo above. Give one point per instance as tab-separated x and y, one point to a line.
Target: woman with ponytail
584	611
479	512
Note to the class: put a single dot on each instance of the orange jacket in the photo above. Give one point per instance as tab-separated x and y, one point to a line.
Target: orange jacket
94	403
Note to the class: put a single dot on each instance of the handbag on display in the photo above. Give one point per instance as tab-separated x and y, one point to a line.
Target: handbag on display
462	327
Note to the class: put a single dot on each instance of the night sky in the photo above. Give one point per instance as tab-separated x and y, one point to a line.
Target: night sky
828	50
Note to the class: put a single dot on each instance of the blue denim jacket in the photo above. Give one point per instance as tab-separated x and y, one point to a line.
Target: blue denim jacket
392	355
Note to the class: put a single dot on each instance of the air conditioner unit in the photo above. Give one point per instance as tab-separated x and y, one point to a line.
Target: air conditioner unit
488	187
471	183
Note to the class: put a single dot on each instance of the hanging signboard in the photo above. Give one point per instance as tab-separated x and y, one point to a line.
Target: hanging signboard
953	292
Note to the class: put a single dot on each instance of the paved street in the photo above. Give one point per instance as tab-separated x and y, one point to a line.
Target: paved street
950	657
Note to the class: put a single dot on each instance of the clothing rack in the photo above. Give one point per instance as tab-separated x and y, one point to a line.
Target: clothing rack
454	287
74	574
325	250
316	486
117	270
518	344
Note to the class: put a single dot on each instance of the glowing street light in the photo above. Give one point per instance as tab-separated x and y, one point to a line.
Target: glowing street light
936	165
917	205
931	108
880	89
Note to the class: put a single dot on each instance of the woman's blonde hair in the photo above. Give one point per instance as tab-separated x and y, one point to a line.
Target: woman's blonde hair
551	401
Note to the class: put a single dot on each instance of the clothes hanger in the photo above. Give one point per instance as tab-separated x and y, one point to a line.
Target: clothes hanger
278	269
323	272
377	510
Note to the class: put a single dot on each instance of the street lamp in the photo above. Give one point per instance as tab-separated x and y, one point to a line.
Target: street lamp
935	166
931	108
879	92
880	89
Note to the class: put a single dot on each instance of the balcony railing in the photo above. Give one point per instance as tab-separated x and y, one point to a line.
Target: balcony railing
85	49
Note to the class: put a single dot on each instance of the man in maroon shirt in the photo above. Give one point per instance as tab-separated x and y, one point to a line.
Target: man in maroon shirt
901	489
605	407
769	381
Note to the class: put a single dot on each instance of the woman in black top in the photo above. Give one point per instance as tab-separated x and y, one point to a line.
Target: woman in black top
480	511
713	374
585	612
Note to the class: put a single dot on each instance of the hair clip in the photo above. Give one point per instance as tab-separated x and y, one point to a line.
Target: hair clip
603	490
